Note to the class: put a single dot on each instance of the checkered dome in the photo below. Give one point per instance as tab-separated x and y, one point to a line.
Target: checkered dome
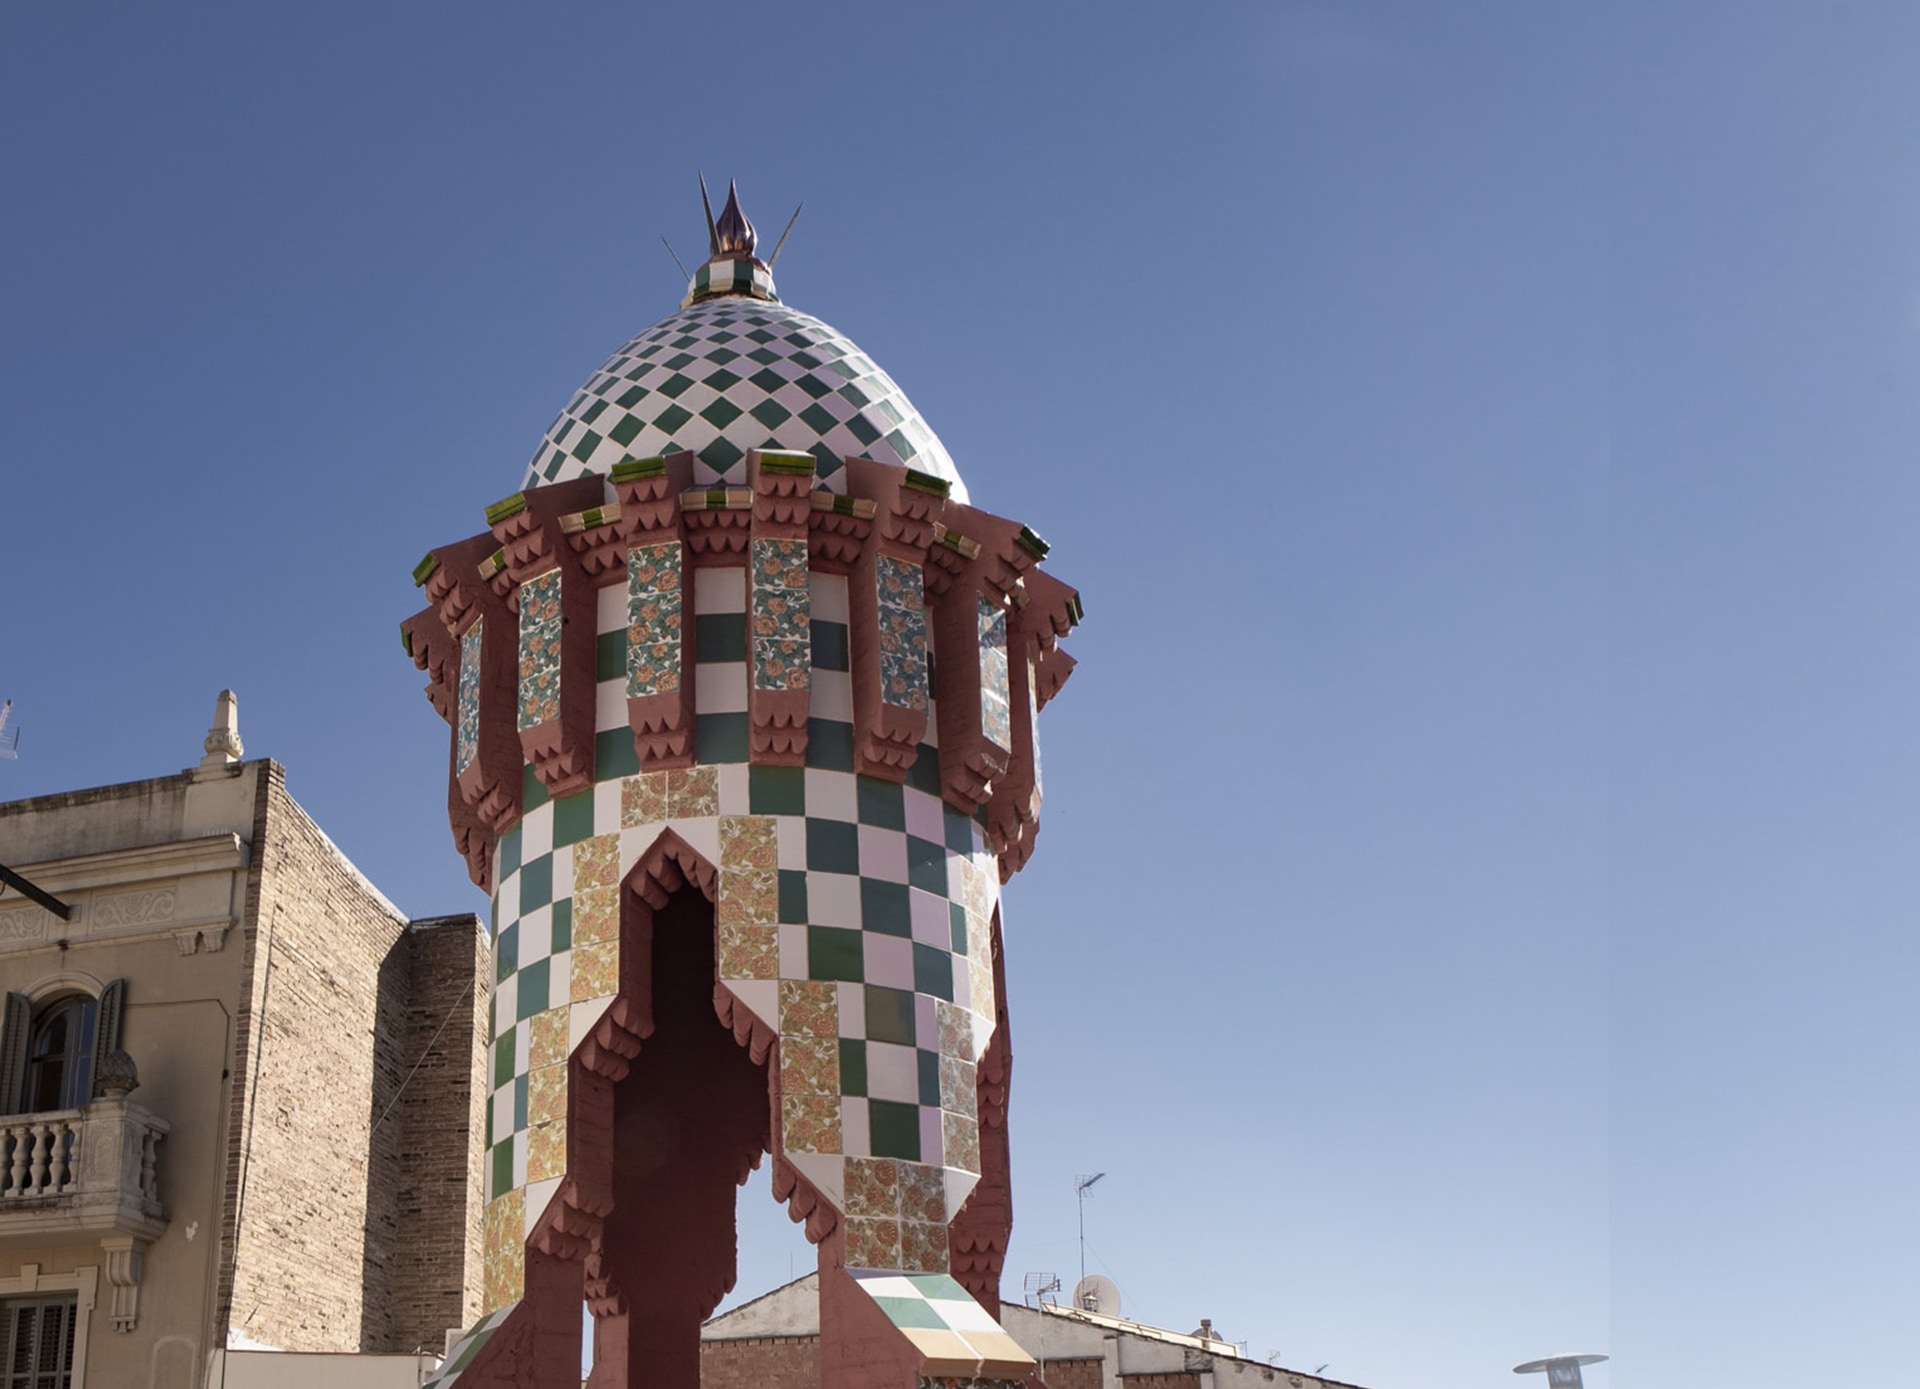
730	374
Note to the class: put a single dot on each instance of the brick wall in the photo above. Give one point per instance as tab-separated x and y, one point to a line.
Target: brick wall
1176	1379
329	1240
771	1362
439	1199
1075	1374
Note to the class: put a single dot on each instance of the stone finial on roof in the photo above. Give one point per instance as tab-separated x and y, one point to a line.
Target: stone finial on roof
223	743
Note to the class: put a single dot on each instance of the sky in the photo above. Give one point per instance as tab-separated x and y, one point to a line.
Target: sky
1473	915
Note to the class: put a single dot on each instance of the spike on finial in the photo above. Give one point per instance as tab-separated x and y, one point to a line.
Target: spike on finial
734	233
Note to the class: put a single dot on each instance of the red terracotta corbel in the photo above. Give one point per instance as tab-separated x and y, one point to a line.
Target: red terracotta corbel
557	638
660	625
972	650
779	630
488	775
887	611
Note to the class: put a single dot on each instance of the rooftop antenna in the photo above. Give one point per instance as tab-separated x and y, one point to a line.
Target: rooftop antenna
676	260
1562	1371
1080	1188
9	738
774	259
1036	1286
706	206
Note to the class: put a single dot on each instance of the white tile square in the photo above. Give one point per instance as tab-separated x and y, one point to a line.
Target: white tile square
539	1195
536	935
932	921
793	951
522	1047
962	984
506	1003
926	1022
520	1158
832	795
606	807
502	1128
610	609
720	687
562	872
719	590
833	899
853	1010
923	815
609	705
856	1139
888	960
581	1018
883	854
933	1146
506	900
735	798
893	1073
536	832
832	695
828	596
790	840
560	977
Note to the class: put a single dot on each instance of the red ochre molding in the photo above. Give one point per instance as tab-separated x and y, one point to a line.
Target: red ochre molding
649	492
491	783
718	520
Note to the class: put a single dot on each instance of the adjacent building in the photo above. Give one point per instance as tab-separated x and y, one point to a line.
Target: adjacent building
241	1092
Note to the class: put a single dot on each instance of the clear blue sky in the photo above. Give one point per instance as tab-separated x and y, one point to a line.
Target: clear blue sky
1474	910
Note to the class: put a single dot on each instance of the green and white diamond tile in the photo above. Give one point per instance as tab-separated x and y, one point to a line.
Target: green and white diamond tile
467	1348
728	375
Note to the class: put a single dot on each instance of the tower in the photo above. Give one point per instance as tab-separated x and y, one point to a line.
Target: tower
742	695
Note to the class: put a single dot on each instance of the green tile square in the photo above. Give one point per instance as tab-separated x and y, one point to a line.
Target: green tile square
793	896
833	953
910	1311
625	431
830	645
929	1064
883	908
889	1015
722	412
777	790
853	1066
562	925
533	791
833	846
506	953
506	860
519	1103
720	637
721	455
959	831
895	1131
502	1163
614	755
927	865
572	820
534	980
771	413
817	419
880	803
672	417
923	773
610	658
814	387
720	738
932	971
675	386
957	916
536	883
862	429
830	745
502	1061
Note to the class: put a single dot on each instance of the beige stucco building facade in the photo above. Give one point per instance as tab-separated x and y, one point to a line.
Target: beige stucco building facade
296	1167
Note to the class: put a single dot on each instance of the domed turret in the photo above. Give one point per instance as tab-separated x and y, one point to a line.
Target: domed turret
735	370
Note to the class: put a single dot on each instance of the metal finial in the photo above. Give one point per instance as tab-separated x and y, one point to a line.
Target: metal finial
735	233
706	206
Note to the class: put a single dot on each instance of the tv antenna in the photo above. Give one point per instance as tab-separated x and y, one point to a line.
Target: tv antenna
9	737
1036	1286
1562	1371
1081	1185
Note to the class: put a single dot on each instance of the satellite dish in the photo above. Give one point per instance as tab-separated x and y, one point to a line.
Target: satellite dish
1096	1293
1562	1371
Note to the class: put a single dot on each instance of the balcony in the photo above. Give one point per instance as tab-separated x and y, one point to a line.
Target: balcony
81	1175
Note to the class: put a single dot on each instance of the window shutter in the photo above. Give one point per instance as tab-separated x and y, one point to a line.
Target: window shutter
14	1026
106	1034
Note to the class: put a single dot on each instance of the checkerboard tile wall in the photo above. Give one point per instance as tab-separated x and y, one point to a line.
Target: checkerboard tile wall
853	917
733	374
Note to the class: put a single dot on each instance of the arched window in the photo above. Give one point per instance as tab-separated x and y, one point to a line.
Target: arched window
50	1052
60	1055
